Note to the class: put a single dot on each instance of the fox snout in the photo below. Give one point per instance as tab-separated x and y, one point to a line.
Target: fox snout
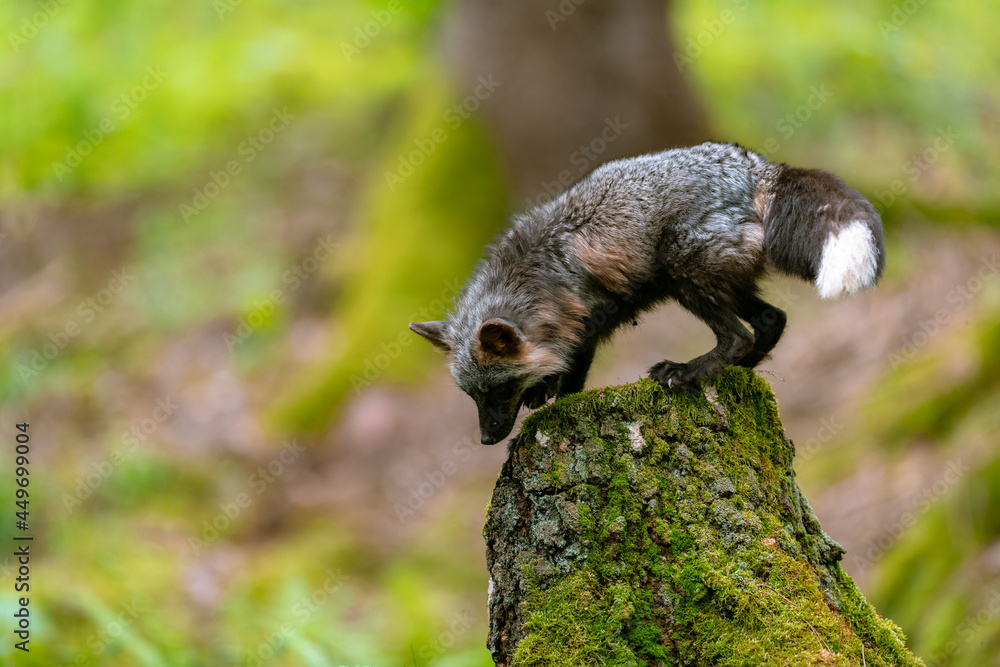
494	424
500	369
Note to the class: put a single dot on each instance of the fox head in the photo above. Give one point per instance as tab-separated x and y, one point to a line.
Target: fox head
498	367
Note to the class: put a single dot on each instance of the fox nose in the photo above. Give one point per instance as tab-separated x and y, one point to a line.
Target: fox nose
494	424
493	431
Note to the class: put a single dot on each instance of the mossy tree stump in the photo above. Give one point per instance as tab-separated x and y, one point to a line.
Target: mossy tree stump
629	527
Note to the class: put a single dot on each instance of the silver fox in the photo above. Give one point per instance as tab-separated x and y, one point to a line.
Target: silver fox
698	225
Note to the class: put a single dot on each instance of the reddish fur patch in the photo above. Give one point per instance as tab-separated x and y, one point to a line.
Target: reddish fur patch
563	318
753	239
531	356
540	359
484	358
611	268
761	198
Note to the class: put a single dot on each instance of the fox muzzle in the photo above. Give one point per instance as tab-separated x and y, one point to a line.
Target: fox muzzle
495	425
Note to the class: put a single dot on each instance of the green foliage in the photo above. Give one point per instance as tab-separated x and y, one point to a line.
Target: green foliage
454	198
154	99
941	400
891	76
222	68
946	558
942	389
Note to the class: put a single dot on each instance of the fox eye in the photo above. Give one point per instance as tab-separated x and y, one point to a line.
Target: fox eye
503	392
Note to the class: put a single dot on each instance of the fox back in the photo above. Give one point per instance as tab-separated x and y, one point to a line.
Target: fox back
698	225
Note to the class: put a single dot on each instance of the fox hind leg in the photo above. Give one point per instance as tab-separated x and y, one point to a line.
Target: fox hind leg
768	324
734	342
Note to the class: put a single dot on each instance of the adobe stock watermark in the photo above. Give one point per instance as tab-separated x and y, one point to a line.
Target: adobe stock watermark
711	30
778	299
121	108
298	615
392	349
900	16
256	483
129	441
918	505
224	7
957	297
432	481
791	122
916	166
30	25
88	310
110	633
969	630
430	651
292	279
425	146
246	152
562	12
364	34
582	159
828	429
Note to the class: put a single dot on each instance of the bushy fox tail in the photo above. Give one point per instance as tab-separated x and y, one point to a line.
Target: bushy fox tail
818	228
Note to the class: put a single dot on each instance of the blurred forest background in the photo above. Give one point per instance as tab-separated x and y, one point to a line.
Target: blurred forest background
219	217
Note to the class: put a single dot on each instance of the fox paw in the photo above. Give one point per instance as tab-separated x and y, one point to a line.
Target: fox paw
536	396
675	377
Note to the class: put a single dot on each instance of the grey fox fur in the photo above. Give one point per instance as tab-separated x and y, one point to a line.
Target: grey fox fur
698	225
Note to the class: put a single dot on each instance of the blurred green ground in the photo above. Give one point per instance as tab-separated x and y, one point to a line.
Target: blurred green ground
163	96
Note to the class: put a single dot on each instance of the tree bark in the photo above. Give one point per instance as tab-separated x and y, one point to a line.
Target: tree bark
629	527
580	83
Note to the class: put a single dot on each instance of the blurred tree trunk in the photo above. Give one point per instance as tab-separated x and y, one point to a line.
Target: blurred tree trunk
580	83
562	86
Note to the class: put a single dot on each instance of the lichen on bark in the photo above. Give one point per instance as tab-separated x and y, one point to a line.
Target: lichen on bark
631	527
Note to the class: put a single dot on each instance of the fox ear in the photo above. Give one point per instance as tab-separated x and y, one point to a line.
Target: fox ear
436	332
499	337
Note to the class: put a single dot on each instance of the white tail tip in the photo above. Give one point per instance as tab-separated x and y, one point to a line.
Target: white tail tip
849	262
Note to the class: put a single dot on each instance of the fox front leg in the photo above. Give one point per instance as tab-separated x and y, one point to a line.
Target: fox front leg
536	396
561	384
572	381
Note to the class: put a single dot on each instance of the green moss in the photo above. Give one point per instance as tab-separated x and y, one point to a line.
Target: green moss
574	623
691	544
